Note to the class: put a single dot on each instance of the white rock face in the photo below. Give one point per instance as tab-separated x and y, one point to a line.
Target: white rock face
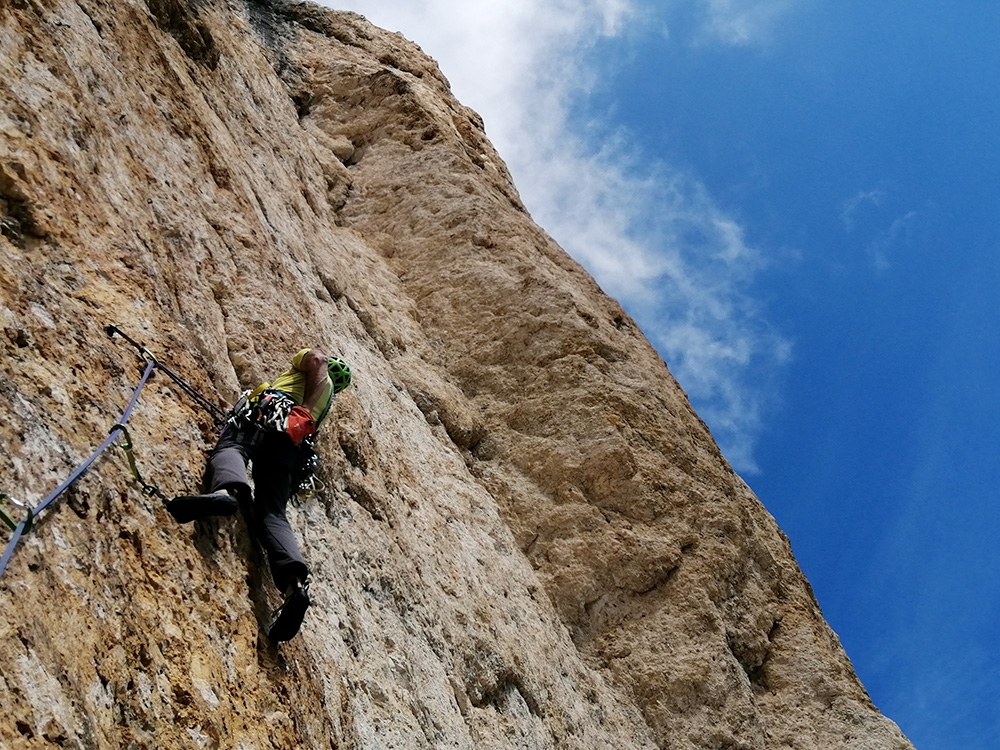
527	538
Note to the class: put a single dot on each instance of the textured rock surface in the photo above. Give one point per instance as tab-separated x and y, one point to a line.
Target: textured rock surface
527	539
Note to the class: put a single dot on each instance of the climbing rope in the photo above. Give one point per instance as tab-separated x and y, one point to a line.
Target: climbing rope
21	528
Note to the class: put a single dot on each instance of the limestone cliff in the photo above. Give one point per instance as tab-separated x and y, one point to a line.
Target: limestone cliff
527	538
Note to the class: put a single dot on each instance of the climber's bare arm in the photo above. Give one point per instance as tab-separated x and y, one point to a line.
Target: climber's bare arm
314	366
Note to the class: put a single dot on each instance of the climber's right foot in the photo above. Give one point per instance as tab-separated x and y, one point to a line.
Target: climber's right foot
291	613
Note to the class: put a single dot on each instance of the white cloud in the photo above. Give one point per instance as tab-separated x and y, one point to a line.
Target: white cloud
651	236
744	22
898	234
861	217
854	204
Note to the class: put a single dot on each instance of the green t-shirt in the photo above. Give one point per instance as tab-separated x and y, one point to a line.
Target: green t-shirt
293	382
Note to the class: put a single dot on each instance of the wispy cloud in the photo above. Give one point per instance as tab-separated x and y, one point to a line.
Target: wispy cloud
864	215
850	208
898	234
651	235
744	22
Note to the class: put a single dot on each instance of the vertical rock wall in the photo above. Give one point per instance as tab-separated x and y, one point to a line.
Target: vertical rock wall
527	538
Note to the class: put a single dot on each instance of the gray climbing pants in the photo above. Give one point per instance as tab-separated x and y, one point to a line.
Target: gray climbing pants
272	458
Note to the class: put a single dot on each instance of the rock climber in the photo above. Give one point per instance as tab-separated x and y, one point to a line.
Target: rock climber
270	429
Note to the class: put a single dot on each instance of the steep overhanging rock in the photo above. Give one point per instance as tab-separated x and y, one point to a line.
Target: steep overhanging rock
527	538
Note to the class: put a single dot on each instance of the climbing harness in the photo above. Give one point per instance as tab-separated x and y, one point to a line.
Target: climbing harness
264	409
256	412
25	525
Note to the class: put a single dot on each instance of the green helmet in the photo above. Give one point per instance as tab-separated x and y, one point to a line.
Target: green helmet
339	372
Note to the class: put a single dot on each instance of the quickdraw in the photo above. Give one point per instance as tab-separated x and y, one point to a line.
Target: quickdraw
218	415
31	513
128	446
29	516
272	409
305	483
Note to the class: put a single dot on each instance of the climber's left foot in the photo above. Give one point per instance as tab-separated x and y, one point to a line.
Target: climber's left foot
187	508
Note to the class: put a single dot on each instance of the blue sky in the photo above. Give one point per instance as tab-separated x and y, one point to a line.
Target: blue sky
797	201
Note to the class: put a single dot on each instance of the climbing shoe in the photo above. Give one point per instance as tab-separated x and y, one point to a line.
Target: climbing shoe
288	618
187	508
